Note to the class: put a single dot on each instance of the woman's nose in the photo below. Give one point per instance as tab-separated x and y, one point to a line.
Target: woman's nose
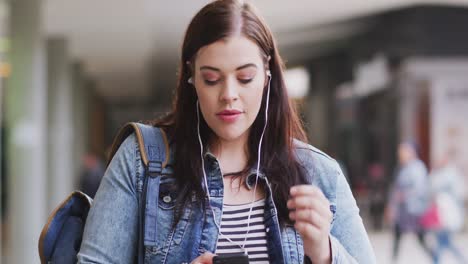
229	91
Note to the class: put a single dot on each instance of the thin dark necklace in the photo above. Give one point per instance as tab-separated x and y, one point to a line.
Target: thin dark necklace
233	173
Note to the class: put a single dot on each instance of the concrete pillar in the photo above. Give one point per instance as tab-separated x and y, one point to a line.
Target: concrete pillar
26	119
3	50
317	122
4	11
4	19
80	117
318	107
60	135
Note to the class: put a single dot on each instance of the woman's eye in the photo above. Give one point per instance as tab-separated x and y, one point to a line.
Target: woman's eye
245	81
210	82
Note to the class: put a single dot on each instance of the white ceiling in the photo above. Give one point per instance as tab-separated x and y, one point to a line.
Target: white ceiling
116	39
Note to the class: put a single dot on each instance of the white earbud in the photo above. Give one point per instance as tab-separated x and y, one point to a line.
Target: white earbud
268	73
190	80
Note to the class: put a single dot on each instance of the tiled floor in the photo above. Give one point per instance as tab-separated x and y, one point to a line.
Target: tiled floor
410	250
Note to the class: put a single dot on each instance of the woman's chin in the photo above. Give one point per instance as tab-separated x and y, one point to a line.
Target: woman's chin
230	134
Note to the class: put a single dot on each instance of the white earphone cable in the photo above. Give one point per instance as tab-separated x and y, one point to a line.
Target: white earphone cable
206	184
257	172
258	159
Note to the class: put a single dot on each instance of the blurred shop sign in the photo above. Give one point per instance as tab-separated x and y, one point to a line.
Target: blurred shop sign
371	76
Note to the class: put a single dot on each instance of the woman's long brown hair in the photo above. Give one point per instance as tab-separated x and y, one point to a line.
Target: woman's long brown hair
216	21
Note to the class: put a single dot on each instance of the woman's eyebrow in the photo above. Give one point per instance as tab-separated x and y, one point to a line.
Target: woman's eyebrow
246	66
238	68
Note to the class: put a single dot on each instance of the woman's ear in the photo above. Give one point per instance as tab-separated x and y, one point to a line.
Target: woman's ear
190	69
267	77
267	70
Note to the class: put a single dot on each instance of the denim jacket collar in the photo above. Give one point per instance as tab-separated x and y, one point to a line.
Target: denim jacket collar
253	171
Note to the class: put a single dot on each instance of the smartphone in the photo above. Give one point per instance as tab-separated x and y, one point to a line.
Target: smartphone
231	258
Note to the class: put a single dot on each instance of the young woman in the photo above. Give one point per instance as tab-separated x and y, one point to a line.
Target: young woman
245	181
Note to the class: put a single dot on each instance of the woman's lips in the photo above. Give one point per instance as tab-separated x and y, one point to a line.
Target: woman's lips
229	116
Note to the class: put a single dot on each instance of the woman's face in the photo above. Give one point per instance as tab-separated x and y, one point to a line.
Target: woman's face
229	80
405	153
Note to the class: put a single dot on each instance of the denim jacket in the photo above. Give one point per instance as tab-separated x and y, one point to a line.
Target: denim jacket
111	230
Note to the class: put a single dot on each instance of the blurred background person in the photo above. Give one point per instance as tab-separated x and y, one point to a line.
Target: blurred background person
91	174
448	190
409	197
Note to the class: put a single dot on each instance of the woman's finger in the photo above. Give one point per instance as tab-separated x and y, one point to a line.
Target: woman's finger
305	189
308	231
205	258
308	203
321	209
311	217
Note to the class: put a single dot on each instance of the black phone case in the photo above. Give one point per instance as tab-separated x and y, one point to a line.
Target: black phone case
234	258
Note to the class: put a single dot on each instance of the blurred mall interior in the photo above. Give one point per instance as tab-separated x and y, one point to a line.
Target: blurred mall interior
366	75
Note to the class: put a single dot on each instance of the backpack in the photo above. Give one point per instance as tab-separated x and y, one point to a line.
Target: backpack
60	239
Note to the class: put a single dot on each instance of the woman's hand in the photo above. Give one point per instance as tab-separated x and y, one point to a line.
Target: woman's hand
206	258
310	210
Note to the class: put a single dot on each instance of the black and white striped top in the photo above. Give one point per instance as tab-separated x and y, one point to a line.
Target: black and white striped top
234	226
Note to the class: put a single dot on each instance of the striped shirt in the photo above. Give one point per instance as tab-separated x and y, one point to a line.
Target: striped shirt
234	226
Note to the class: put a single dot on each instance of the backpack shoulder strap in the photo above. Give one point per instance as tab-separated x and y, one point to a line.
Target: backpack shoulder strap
154	150
152	142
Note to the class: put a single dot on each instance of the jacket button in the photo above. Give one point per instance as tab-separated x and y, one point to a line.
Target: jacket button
167	199
267	229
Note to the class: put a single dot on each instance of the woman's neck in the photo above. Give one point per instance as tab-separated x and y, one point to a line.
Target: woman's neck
231	154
